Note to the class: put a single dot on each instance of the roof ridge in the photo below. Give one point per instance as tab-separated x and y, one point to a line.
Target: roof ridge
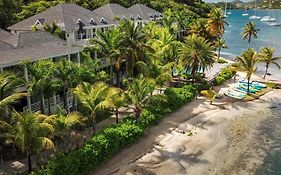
110	8
62	11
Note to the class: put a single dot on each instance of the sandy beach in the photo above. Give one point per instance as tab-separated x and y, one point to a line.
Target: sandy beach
200	139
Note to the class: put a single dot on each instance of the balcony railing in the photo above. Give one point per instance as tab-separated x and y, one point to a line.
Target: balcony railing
35	107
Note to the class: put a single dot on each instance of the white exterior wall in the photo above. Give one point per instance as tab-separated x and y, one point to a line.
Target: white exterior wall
70	38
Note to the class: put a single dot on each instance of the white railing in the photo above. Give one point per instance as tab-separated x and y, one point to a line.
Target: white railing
35	107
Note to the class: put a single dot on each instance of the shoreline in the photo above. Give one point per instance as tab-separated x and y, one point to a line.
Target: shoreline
167	150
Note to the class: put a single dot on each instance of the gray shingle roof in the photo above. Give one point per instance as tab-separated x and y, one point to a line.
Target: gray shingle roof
145	12
65	15
33	46
113	10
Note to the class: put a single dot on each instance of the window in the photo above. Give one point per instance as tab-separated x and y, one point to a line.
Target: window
102	20
67	35
79	21
132	17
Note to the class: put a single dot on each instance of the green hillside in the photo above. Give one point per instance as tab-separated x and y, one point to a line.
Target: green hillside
12	11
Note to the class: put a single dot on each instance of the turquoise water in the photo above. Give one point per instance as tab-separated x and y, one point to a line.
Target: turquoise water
269	36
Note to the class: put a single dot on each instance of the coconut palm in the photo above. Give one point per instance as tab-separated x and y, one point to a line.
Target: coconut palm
216	22
63	122
169	20
200	28
220	44
30	132
92	98
109	46
161	74
69	74
138	90
8	96
162	43
115	101
8	93
267	57
134	41
42	74
247	62
250	31
196	53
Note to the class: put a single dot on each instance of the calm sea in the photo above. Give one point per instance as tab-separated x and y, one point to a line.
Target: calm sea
268	36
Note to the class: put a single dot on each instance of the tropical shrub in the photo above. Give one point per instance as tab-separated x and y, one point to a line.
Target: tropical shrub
224	75
115	137
179	96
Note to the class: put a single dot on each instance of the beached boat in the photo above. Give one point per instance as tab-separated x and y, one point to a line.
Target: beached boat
235	95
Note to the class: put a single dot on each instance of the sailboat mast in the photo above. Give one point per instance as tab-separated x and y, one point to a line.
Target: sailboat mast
225	8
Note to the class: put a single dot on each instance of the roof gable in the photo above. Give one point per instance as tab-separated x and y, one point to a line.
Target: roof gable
145	12
65	15
112	10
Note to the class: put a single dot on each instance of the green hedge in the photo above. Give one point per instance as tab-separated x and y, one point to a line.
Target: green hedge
223	76
115	137
179	96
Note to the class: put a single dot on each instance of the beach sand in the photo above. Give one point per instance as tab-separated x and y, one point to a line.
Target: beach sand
200	139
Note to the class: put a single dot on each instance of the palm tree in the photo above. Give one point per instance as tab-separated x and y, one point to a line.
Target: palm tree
115	101
250	31
169	20
200	28
109	46
267	57
69	74
63	122
92	98
134	41
8	96
42	74
53	29
162	43
30	132
220	44
138	90
248	62
196	53
216	22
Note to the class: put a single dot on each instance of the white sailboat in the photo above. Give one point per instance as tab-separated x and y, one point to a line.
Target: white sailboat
225	10
268	18
255	15
245	13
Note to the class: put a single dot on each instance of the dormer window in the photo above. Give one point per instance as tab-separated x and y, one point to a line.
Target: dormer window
39	22
92	21
79	21
132	17
150	15
123	17
161	15
103	20
155	15
138	17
